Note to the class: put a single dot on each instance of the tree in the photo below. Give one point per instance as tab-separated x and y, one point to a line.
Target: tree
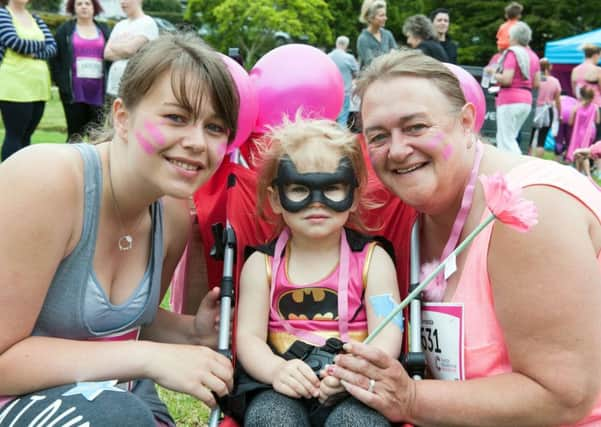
252	26
45	5
474	23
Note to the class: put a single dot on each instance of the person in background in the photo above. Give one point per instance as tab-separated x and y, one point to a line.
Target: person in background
517	72
584	119
589	74
91	235
127	37
549	95
25	45
513	13
420	35
528	338
374	40
79	69
583	156
347	64
441	18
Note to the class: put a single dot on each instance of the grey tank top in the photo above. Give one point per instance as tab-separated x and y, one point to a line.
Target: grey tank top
75	306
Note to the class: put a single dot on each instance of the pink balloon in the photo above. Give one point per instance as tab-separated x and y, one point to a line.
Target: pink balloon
472	91
567	106
249	107
293	77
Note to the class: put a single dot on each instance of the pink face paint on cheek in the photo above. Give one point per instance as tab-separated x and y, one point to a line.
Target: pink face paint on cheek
221	149
154	132
436	140
376	156
447	151
146	146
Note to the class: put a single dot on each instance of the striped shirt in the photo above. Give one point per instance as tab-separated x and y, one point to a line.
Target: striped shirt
10	40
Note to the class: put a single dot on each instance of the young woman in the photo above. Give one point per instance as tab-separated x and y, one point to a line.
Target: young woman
91	235
319	279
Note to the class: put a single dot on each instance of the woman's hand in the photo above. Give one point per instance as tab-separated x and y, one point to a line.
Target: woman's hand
194	370
296	379
206	322
392	392
330	390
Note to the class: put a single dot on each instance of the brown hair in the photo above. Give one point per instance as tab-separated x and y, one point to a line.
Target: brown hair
513	10
70	7
411	62
590	50
587	94
545	65
3	2
197	72
293	138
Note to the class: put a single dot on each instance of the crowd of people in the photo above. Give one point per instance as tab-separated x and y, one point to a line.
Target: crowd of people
84	339
84	59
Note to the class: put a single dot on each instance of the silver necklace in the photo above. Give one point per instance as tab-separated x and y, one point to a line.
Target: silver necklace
126	241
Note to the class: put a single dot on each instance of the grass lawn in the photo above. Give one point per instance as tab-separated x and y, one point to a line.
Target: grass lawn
52	128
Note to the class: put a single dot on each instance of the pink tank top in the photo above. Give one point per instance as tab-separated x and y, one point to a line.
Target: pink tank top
313	308
485	349
583	131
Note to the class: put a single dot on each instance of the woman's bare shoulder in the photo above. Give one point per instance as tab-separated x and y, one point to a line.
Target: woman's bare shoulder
43	176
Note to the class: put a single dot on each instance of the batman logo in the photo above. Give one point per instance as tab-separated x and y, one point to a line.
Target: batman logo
309	304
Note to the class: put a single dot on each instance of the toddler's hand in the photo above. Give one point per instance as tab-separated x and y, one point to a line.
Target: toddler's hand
330	389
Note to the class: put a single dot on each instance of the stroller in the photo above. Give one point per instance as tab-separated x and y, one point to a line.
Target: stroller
228	225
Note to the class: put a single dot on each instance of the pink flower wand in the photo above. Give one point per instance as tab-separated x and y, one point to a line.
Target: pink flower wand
505	204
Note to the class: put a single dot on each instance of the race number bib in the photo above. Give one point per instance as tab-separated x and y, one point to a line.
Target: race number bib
88	68
442	340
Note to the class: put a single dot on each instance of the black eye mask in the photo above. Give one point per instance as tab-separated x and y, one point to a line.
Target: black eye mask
317	184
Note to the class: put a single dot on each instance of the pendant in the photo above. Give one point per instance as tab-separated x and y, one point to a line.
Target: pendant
126	243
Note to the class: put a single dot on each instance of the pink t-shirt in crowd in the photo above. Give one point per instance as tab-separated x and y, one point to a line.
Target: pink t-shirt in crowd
548	90
520	90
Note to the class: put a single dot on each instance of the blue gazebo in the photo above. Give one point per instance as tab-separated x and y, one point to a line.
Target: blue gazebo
567	51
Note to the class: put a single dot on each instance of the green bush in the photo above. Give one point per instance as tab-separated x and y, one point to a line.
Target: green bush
175	18
54	20
163	6
46	5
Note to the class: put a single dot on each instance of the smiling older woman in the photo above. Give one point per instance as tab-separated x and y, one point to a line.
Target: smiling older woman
531	334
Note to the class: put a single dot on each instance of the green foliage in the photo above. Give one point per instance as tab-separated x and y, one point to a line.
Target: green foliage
251	25
53	20
346	18
474	23
45	5
153	6
173	17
